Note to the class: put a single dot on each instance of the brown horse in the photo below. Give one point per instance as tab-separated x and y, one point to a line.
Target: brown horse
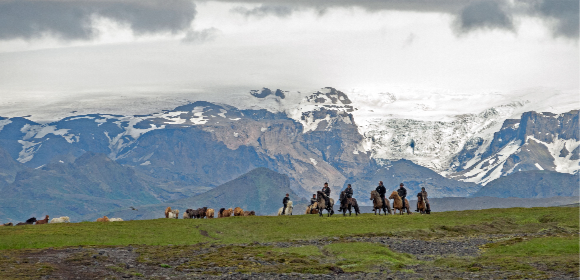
41	222
103	219
421	205
238	211
209	213
323	204
167	211
312	209
347	203
398	203
378	204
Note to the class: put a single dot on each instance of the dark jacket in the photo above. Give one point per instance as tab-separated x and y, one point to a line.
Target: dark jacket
348	192
402	192
381	190
326	191
312	201
285	200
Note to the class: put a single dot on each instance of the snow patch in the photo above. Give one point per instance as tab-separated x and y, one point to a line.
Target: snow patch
539	166
28	150
146	163
313	161
4	122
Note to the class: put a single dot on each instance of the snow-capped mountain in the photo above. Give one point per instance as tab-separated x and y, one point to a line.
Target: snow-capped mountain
537	141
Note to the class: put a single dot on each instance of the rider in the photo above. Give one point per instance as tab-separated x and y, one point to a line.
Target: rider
348	191
326	192
424	193
312	200
285	202
382	191
402	193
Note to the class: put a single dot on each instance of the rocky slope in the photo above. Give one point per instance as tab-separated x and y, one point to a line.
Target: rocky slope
537	141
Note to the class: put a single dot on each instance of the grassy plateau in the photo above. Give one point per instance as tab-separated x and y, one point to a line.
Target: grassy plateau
531	242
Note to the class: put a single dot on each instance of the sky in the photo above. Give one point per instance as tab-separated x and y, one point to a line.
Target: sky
137	56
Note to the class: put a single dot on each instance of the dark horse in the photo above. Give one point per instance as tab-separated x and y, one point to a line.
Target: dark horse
28	222
347	203
323	204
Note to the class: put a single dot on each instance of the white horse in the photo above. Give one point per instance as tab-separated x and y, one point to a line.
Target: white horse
174	214
64	219
288	211
115	220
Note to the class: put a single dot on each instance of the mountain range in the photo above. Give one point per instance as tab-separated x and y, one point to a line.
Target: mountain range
315	138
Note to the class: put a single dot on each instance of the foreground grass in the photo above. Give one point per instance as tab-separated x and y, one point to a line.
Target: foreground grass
550	243
237	230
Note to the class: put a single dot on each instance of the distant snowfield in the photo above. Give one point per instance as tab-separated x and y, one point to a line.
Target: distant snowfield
370	105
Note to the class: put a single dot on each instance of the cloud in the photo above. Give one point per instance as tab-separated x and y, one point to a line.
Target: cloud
484	15
265	10
205	35
72	20
561	15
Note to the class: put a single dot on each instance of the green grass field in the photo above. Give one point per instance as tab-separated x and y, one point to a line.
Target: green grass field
551	240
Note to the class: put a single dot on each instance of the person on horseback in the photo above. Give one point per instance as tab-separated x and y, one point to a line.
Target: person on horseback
402	193
427	206
348	191
285	202
382	191
326	193
312	200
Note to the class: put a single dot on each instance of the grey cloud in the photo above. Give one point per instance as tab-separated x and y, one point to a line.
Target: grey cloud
485	15
205	35
29	19
562	15
265	10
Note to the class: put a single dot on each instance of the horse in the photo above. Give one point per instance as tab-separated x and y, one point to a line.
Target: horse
249	213
42	222
324	205
64	219
288	210
378	204
209	213
167	211
202	212
312	209
30	221
421	205
348	203
398	203
115	220
188	214
103	219
224	213
238	211
174	214
6	225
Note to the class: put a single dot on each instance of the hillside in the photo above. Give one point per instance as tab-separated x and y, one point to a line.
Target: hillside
90	184
533	184
260	190
414	177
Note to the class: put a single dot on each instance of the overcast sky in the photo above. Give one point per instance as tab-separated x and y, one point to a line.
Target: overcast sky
78	50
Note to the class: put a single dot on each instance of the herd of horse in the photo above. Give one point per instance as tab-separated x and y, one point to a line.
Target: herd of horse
321	204
205	212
